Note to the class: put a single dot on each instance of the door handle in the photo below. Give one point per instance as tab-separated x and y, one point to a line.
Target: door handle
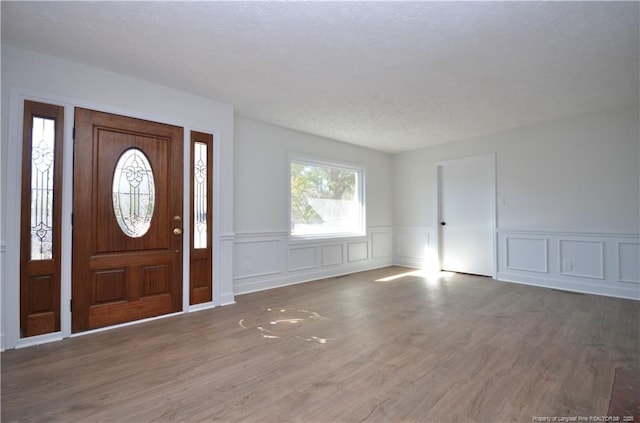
443	223
177	231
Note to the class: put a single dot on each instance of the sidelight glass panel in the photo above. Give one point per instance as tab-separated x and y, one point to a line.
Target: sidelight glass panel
200	195
133	193
42	165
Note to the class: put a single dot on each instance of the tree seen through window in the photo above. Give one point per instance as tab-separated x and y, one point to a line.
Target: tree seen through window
325	199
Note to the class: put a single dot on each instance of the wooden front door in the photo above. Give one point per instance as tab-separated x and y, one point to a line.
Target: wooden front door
127	219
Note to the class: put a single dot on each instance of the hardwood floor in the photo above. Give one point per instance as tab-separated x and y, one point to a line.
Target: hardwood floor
352	349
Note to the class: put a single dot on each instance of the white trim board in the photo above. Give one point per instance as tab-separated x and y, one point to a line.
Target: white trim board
572	286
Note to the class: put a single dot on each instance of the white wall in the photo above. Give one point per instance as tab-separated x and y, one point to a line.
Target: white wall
265	257
571	187
31	75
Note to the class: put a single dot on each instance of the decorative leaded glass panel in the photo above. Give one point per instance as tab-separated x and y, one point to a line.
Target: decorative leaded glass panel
42	165
133	193
200	195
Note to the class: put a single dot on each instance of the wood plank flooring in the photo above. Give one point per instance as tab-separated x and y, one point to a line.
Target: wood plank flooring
361	348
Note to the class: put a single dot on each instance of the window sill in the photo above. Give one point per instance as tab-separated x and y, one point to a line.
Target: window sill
306	239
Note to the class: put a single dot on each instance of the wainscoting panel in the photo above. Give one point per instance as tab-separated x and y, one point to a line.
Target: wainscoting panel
332	255
584	259
528	254
629	262
302	258
415	246
412	244
256	258
594	263
265	260
381	244
357	251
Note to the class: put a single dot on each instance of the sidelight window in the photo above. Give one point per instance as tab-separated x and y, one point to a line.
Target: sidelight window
40	221
201	251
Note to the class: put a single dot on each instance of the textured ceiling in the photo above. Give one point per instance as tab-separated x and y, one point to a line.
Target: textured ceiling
393	76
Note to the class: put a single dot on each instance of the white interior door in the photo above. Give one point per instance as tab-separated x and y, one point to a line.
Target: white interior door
467	214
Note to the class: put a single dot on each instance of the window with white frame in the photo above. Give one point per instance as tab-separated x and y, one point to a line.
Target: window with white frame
326	199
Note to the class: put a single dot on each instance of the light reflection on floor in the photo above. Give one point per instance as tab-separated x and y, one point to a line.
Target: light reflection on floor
429	275
309	326
304	325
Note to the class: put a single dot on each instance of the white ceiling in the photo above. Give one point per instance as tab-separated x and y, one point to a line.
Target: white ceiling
393	76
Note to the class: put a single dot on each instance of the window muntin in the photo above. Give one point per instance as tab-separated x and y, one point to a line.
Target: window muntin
326	199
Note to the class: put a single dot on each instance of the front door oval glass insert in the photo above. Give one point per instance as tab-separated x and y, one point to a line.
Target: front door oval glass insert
134	193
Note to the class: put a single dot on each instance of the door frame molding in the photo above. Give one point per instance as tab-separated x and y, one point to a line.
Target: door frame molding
10	290
492	157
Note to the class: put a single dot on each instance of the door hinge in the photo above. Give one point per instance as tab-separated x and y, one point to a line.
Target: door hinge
71	219
74	133
71	305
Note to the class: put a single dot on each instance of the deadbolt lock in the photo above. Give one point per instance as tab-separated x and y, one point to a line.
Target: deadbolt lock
177	218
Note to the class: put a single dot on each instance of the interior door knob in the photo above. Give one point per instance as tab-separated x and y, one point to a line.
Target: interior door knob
177	231
443	223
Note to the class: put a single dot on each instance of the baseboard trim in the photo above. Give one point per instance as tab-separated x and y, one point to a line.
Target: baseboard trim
227	299
572	286
38	340
273	283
